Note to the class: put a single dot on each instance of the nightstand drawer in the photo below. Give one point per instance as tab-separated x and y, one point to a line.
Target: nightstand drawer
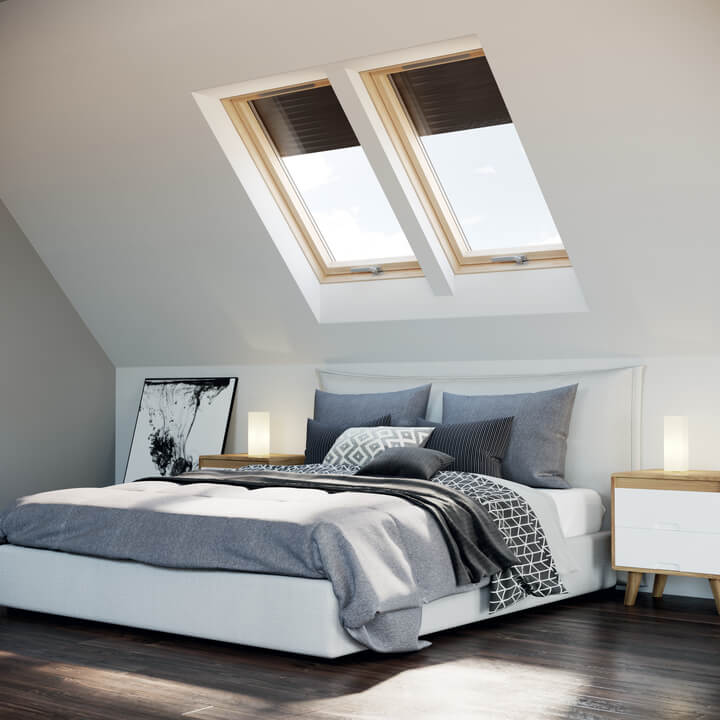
668	550
667	510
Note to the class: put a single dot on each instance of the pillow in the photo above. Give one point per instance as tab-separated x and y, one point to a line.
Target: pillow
356	446
406	462
538	444
320	437
477	447
349	410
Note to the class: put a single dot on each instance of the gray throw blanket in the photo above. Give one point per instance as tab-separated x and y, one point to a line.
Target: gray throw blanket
383	544
477	548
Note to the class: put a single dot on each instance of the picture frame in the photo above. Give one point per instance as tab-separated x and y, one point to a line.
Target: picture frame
178	420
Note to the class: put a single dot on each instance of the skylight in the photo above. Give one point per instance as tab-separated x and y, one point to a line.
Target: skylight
491	187
321	178
466	196
455	135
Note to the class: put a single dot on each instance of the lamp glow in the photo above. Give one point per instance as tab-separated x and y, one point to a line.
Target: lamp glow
259	434
676	443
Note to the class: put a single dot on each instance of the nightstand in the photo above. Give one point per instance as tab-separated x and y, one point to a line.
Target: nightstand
667	523
243	459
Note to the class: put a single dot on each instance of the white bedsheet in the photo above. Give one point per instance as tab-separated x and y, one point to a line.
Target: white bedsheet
580	510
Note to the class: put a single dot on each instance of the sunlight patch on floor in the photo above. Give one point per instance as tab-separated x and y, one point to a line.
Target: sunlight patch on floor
466	689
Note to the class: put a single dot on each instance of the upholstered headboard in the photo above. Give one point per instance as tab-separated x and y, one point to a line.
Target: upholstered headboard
604	432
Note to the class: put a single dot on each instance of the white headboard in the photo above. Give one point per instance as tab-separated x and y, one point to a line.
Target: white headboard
604	432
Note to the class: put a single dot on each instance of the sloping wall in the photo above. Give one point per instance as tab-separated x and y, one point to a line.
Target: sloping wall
116	179
56	384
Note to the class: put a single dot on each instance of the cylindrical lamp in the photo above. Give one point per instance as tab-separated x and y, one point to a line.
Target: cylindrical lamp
676	443
259	434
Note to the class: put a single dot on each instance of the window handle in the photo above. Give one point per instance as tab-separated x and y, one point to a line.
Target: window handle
374	269
519	259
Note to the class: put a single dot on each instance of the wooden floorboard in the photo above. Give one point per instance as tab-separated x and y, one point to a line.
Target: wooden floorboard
589	658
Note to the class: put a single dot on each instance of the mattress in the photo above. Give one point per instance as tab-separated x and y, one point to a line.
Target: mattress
580	510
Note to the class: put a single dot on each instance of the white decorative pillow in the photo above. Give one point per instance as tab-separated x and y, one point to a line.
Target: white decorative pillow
356	446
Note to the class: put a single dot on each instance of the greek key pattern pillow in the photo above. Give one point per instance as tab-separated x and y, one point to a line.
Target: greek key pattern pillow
356	446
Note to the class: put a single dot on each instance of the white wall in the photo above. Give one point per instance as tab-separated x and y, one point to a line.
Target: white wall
56	384
673	386
131	190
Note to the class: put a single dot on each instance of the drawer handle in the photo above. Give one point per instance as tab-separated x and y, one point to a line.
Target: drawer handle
666	526
667	566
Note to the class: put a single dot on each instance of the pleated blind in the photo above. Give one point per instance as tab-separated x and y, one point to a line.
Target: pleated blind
452	96
306	121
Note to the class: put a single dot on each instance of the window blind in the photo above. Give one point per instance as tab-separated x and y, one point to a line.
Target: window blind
452	96
306	121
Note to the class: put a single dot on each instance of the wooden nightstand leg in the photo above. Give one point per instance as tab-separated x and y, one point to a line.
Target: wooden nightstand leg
633	585
659	586
715	586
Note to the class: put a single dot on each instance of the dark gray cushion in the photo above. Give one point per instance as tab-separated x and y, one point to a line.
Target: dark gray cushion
406	462
538	443
349	410
321	437
478	447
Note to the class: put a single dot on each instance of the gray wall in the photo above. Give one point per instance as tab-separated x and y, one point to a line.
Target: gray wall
57	385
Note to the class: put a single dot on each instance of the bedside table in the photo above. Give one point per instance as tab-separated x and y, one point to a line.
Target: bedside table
243	459
667	523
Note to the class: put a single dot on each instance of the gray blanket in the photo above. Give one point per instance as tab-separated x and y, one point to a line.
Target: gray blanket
384	555
476	546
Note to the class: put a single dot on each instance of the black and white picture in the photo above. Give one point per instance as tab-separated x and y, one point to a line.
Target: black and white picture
179	419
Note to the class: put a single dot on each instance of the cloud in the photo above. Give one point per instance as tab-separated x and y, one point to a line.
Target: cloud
310	172
349	242
485	170
472	220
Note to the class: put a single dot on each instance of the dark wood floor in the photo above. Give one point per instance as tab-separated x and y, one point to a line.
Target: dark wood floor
581	659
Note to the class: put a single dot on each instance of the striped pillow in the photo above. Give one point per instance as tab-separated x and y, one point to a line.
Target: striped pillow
478	447
321	436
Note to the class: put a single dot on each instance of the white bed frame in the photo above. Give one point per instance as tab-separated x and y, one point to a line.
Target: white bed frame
301	615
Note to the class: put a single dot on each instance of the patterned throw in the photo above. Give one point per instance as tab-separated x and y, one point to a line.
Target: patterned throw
535	574
359	445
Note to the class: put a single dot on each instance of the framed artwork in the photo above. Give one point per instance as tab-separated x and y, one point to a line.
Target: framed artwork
179	419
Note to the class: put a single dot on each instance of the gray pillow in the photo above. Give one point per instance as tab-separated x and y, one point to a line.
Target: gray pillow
356	446
406	462
336	409
538	443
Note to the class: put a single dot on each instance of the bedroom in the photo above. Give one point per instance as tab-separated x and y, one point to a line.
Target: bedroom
149	231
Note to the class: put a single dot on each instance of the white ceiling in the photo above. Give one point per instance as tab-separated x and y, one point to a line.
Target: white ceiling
113	174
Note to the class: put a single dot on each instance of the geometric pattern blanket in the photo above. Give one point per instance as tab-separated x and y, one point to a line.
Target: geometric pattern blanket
535	574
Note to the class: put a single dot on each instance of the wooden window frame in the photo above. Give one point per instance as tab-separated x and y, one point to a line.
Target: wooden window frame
421	173
267	160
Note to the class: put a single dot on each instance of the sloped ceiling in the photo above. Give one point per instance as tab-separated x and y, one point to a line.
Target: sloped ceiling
114	176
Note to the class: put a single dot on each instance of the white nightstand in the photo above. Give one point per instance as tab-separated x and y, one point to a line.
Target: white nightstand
667	523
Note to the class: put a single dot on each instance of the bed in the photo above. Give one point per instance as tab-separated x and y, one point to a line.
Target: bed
301	615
